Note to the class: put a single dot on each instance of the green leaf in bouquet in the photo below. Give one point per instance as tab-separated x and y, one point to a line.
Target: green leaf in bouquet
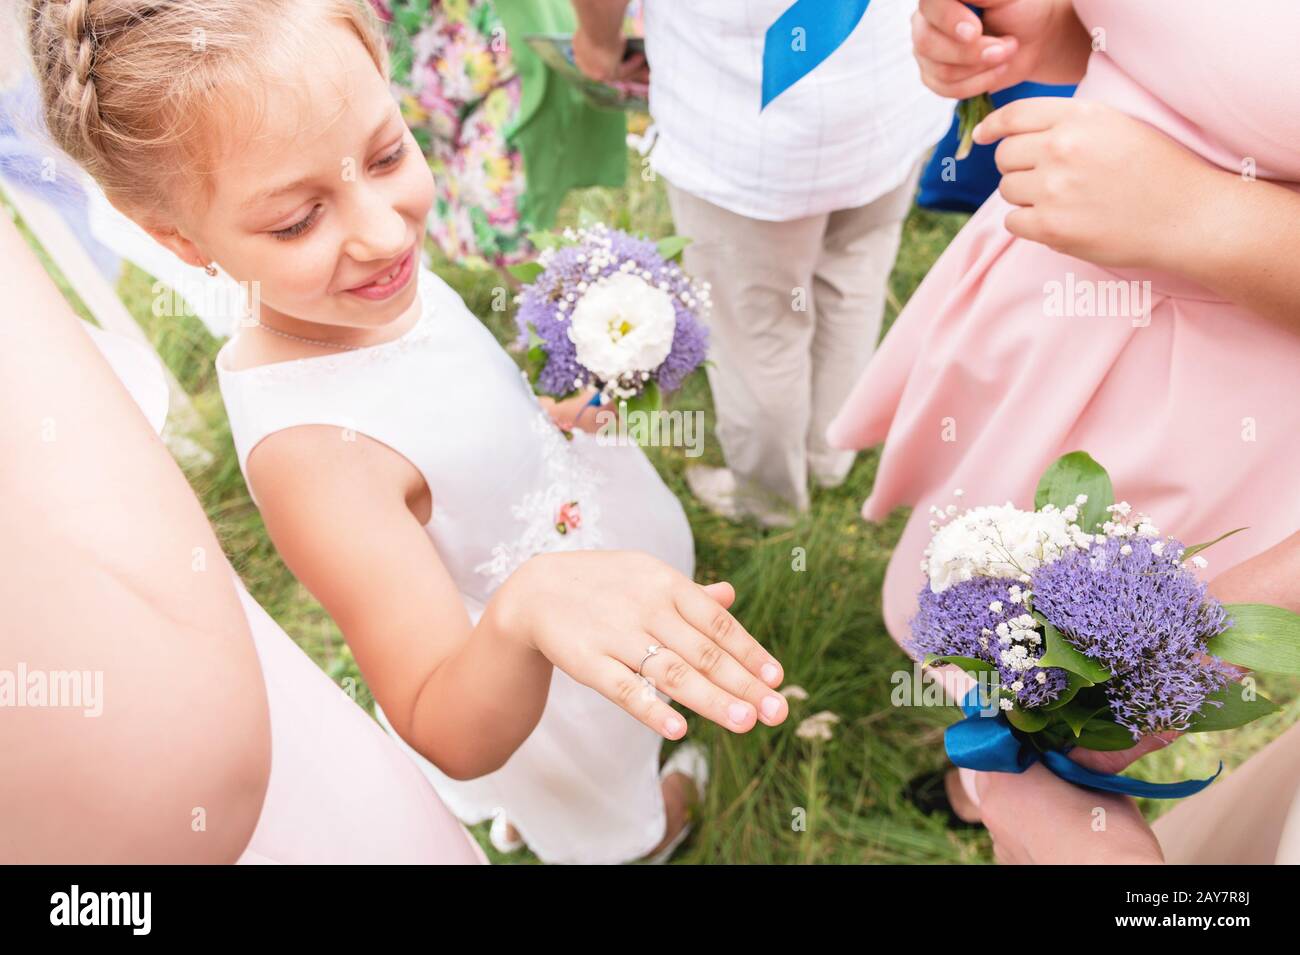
1077	714
970	113
671	247
650	399
1027	721
1105	735
1071	475
546	239
1073	684
1237	710
1063	654
535	358
1262	637
968	664
526	272
1197	548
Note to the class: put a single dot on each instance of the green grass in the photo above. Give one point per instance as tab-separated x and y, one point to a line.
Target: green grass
774	797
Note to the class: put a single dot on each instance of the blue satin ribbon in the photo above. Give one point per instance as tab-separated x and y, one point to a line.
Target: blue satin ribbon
789	56
987	743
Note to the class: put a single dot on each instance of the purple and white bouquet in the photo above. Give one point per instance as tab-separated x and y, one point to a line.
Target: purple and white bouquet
1087	627
606	309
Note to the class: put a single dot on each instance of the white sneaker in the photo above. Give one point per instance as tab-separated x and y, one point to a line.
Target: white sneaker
715	488
688	760
499	834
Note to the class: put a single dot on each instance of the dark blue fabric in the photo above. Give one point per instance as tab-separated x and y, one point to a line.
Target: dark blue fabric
986	742
976	175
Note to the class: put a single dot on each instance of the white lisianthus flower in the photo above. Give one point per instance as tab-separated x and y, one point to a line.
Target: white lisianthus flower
996	542
621	327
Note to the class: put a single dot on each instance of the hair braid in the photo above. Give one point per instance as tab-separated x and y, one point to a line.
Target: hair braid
79	57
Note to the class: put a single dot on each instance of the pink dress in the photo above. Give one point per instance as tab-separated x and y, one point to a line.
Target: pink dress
1195	414
341	790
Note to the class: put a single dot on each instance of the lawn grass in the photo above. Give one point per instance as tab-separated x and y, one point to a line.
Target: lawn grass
810	593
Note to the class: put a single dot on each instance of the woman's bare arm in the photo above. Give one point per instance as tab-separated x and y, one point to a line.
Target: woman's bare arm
109	567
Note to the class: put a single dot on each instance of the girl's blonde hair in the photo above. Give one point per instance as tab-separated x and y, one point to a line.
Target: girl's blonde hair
125	83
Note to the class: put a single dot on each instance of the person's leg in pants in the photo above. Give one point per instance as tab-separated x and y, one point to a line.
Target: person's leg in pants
761	333
851	281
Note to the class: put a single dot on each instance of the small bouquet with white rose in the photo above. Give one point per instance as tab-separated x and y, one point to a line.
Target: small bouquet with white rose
605	309
1092	629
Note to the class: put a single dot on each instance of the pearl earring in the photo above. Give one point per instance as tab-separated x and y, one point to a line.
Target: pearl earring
210	269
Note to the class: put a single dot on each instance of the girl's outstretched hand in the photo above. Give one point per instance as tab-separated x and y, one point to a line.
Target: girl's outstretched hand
628	625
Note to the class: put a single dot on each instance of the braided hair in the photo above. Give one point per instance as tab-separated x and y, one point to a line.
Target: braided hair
129	88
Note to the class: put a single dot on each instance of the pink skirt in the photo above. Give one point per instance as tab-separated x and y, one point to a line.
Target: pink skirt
1011	354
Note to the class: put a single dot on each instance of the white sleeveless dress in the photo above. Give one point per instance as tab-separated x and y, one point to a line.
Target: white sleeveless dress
340	791
506	485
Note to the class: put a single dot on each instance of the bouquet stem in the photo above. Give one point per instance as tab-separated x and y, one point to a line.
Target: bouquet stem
970	113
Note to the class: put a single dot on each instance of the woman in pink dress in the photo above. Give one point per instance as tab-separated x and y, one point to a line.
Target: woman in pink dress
186	726
1133	289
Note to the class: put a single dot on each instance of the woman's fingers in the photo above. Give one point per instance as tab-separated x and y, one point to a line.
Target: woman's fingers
1024	116
637	696
1019	153
1027	223
948	81
1019	188
1116	761
937	47
951	18
716	667
703	613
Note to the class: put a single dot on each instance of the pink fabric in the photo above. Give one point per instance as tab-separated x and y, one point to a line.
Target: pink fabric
341	791
1170	408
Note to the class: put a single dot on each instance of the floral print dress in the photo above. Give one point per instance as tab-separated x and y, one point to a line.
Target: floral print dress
460	92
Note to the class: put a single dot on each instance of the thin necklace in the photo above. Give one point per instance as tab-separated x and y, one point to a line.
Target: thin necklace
309	341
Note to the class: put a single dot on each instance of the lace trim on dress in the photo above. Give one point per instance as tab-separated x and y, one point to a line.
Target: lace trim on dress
563	516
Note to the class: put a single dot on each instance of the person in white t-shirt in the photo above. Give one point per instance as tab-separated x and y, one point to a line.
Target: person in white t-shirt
795	212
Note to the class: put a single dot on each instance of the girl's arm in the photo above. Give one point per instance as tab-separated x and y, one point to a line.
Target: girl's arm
100	576
466	696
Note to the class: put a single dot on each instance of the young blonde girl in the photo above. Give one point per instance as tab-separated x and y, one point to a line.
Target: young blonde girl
519	603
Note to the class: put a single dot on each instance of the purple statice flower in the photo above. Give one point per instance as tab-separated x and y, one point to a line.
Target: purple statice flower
961	621
1131	605
595	253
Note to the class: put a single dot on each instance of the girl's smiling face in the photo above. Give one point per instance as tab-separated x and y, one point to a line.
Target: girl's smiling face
324	202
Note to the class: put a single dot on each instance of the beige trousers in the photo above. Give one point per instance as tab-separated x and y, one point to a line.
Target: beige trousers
797	308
